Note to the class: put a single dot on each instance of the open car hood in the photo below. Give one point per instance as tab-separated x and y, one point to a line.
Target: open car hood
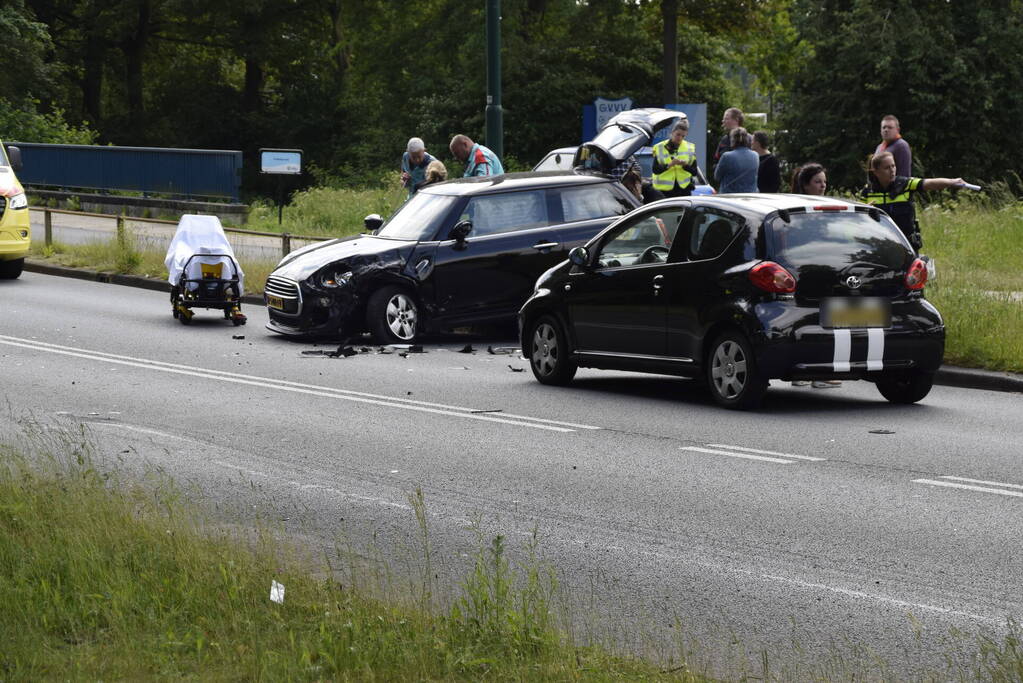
622	137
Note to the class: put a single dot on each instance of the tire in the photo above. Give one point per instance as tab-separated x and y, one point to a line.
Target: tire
392	316
732	374
549	352
11	270
906	386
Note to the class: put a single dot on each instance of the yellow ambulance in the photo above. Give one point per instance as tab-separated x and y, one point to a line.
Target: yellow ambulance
15	230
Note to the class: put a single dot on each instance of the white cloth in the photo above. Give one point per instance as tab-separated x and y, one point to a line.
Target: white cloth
199	235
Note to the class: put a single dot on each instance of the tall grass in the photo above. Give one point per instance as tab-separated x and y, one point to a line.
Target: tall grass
977	244
328	211
107	578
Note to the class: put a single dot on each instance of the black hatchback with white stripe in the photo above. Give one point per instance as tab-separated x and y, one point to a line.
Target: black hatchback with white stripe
737	290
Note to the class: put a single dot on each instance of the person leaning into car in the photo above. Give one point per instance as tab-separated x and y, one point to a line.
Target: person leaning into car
893	193
675	163
413	165
478	159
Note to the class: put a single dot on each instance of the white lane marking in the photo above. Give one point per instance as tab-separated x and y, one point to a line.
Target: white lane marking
294	387
882	599
748	456
843	349
875	348
982	481
757	450
969	487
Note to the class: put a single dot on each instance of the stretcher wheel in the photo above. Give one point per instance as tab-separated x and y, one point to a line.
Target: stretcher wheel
174	312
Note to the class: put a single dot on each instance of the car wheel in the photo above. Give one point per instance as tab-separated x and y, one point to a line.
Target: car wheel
11	270
548	352
906	386
732	373
392	316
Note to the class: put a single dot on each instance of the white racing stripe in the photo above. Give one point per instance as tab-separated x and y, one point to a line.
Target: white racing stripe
843	350
747	456
971	487
875	348
757	450
295	387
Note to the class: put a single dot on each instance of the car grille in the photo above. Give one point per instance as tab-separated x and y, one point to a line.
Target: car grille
285	290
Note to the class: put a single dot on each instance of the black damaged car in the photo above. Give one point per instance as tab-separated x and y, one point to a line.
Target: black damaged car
455	254
736	290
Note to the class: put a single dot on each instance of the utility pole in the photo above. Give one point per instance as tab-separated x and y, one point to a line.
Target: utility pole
669	14
495	115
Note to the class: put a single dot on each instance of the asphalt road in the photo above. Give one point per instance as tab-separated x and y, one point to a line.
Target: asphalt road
831	529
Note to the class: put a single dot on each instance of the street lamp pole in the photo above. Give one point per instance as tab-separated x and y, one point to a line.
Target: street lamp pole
495	115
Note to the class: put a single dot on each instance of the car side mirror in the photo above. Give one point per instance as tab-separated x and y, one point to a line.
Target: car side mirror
460	231
14	155
579	256
373	222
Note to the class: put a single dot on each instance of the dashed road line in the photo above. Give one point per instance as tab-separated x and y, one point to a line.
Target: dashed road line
1012	490
762	452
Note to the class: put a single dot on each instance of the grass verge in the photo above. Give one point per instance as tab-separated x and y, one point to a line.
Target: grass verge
111	580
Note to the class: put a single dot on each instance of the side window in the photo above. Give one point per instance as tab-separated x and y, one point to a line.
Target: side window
711	233
587	203
497	213
647	239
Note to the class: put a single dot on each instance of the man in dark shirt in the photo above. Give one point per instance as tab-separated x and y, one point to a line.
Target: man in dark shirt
769	172
893	142
733	118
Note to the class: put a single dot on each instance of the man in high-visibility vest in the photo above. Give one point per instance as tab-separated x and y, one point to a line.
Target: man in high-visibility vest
675	163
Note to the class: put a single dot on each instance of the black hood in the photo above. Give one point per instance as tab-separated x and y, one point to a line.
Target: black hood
357	251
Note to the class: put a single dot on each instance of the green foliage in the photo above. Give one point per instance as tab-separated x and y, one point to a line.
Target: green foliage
948	71
23	122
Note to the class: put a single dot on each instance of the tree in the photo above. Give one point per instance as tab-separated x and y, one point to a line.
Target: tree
949	71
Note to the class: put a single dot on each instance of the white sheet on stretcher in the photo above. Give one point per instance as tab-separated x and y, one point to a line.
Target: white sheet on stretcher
199	235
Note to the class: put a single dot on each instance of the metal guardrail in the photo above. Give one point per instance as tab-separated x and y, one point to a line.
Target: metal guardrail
285	237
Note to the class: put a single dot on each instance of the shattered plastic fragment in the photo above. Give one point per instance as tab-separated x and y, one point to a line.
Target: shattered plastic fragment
237	336
881	431
515	369
467	349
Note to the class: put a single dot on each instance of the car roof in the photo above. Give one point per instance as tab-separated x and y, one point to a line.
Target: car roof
765	203
514	181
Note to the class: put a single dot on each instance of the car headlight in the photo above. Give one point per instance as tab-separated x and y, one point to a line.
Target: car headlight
335	277
18	201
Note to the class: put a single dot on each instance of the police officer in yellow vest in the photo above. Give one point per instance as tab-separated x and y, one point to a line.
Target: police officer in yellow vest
675	163
894	194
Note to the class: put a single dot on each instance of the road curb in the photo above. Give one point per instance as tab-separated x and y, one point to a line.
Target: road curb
947	375
116	278
972	378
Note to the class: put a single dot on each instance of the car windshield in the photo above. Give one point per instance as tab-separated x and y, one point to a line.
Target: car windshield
835	240
419	218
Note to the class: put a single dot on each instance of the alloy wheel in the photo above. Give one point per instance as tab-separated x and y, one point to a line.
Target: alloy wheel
401	316
545	353
728	369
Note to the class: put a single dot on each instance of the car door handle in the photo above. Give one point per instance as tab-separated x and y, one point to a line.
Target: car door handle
658	283
545	245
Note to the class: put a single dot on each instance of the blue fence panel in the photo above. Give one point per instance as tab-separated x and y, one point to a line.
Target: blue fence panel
186	172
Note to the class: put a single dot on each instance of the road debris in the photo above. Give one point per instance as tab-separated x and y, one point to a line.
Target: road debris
488	410
881	431
467	349
277	592
515	369
237	336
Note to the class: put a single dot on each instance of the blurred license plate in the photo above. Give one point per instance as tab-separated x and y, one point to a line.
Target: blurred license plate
275	302
843	312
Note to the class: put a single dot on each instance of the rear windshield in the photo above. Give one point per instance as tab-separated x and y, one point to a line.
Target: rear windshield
419	218
834	240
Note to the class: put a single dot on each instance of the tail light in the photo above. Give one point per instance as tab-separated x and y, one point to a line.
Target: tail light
771	277
916	276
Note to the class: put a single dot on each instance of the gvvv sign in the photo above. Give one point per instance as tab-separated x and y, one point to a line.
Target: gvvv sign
607	109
